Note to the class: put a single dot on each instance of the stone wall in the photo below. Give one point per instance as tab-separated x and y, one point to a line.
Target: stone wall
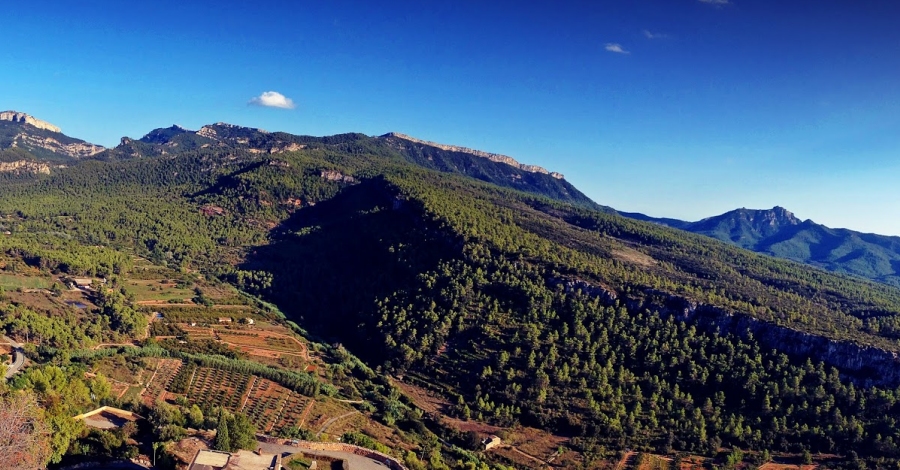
387	460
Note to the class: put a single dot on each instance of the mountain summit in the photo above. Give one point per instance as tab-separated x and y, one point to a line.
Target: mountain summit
493	168
24	137
778	232
746	227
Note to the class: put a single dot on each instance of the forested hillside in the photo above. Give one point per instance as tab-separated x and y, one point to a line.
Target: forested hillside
521	304
777	232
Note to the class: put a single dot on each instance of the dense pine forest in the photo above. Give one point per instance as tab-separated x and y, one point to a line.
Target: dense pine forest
508	293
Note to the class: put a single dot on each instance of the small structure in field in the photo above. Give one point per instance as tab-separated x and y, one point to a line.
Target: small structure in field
224	320
490	442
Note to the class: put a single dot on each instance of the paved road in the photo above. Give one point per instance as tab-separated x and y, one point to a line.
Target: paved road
18	358
356	461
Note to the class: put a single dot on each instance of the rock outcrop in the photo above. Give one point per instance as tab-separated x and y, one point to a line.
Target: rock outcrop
494	157
15	116
332	175
25	166
74	150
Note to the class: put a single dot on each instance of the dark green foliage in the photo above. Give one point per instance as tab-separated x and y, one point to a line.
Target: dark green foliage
223	435
234	432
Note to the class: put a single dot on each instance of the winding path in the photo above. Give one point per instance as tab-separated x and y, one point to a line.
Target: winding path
332	421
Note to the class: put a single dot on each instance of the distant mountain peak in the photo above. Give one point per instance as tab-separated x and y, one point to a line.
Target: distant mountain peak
776	216
495	157
16	116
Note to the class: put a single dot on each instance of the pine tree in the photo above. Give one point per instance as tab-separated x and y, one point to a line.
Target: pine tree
223	439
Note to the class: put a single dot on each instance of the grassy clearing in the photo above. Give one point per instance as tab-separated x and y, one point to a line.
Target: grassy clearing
155	289
15	281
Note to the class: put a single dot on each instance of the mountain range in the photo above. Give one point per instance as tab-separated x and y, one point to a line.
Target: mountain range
30	145
478	294
777	232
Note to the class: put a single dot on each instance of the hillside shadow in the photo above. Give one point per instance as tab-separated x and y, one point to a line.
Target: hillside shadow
332	262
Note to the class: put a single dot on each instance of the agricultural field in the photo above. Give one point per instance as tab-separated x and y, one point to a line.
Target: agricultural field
260	342
265	342
157	386
158	290
19	281
126	370
270	406
151	285
209	387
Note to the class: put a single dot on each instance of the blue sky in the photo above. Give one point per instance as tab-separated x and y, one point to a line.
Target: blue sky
674	108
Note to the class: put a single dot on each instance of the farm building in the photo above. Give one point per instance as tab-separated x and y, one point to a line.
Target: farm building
224	320
490	442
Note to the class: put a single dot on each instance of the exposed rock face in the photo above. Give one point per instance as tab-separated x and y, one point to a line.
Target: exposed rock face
74	150
208	132
287	148
332	175
25	166
494	157
15	116
863	364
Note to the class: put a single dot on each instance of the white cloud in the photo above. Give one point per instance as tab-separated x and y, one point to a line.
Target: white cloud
615	47
716	2
651	35
273	99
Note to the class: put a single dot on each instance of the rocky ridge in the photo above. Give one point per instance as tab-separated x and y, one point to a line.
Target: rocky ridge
494	157
74	150
15	116
26	166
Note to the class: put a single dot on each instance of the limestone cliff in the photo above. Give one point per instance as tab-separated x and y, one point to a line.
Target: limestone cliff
15	116
25	166
494	157
73	149
40	138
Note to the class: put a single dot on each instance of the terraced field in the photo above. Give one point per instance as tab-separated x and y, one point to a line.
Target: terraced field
166	370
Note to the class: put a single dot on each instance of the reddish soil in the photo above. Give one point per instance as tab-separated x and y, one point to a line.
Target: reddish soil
434	404
219	387
778	466
262	340
305	413
156	387
185	449
118	389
